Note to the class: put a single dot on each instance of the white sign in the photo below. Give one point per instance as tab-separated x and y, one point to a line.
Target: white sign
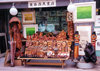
97	30
5	1
29	26
98	45
84	12
97	23
85	33
41	3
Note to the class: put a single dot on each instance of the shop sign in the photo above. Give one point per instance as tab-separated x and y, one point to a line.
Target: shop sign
5	1
41	3
97	22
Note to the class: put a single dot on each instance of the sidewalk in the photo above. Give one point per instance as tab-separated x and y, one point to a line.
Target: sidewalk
42	68
2	55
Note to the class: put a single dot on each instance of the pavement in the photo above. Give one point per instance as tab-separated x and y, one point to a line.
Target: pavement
43	68
2	55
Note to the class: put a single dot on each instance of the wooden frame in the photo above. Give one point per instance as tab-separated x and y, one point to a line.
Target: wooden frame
35	26
28	17
84	12
84	30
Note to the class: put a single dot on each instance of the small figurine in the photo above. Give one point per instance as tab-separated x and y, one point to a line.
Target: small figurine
65	50
64	46
93	39
50	51
59	46
76	48
61	35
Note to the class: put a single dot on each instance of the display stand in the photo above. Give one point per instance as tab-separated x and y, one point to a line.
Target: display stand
61	59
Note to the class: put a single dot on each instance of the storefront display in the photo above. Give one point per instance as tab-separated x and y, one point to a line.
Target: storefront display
46	30
46	46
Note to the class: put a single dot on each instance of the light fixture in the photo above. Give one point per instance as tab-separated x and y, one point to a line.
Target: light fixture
71	7
13	11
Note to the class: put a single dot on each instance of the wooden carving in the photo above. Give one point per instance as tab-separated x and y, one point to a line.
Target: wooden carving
70	26
14	32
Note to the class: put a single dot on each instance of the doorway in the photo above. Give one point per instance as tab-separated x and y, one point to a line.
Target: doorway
3	31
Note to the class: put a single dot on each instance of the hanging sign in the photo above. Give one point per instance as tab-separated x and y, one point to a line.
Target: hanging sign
41	3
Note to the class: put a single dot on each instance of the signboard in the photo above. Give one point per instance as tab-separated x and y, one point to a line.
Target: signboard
97	23
29	30
85	33
97	30
1	1
84	12
98	45
41	3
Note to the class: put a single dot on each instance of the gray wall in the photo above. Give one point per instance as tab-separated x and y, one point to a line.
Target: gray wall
25	4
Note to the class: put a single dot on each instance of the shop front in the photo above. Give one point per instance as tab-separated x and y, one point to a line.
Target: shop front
44	30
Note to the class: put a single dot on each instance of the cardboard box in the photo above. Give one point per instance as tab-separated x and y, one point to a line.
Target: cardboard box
18	62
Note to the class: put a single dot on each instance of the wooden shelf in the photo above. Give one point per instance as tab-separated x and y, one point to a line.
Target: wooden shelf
24	61
44	58
54	64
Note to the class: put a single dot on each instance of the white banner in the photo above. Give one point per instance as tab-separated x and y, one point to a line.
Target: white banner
5	1
97	22
85	33
41	3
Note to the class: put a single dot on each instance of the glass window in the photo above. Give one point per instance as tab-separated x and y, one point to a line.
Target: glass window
56	18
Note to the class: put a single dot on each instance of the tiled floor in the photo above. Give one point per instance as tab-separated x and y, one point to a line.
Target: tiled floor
43	68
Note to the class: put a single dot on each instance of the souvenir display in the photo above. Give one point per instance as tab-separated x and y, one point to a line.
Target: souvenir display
93	39
76	48
47	46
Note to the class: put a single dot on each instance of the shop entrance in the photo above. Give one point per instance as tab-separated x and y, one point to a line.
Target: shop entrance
3	39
